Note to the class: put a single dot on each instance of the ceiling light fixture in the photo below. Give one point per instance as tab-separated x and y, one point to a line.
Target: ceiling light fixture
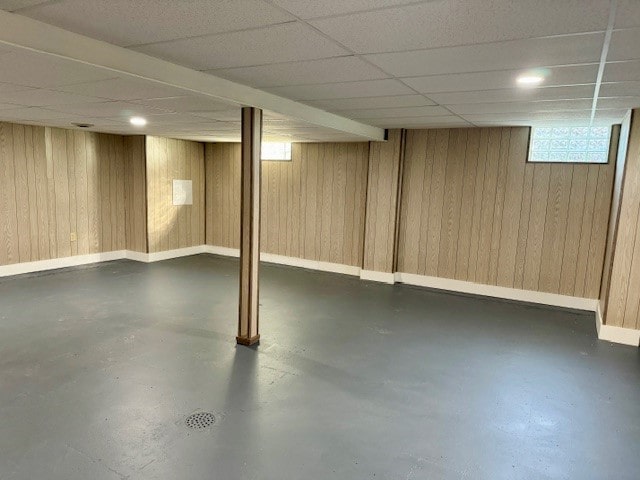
138	121
528	80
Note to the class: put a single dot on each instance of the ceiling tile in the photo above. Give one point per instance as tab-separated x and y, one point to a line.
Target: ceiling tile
514	95
619	102
627	14
433	110
281	43
620	89
107	109
420	122
462	82
35	114
42	98
463	22
531	53
369	88
624	45
123	22
23	67
581	117
185	103
622	71
313	8
371	102
520	107
337	69
123	89
11	5
9	87
223	115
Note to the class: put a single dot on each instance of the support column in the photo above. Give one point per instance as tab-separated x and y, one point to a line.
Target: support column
384	188
248	333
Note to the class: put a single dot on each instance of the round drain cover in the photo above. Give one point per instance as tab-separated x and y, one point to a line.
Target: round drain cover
200	420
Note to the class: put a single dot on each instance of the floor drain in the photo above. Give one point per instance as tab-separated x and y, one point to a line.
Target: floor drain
200	420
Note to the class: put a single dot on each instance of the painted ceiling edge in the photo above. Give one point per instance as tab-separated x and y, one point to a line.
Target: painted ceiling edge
23	32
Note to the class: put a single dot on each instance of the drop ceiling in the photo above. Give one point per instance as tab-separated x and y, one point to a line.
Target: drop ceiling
386	63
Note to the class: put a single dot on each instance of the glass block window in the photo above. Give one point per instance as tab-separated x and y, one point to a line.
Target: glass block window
280	151
570	144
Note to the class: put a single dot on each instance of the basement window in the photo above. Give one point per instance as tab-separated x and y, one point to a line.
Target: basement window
570	144
276	151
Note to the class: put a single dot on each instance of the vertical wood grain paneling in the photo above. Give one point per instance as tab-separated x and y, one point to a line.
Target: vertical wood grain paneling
312	207
490	217
382	196
623	306
135	192
57	193
170	227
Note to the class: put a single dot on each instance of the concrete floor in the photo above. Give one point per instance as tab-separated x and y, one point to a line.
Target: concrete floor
100	366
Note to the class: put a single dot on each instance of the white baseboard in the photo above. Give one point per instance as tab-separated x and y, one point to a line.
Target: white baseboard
531	296
291	261
178	252
610	333
55	263
225	251
373	276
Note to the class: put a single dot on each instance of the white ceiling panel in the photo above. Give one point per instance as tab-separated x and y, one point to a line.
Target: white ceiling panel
9	87
627	14
415	122
281	43
370	88
11	5
313	8
371	102
514	95
620	89
624	45
577	118
123	89
619	102
185	103
107	109
36	114
222	115
42	98
462	82
123	22
520	107
463	22
327	70
22	67
622	71
530	53
427	111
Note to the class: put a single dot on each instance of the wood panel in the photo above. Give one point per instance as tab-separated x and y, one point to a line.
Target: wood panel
312	207
59	191
135	193
623	306
385	163
170	227
473	209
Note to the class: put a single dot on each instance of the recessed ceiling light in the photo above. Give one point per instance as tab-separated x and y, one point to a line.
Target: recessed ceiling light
83	125
528	80
138	121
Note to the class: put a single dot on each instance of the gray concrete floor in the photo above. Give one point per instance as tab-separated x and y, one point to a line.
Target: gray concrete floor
100	366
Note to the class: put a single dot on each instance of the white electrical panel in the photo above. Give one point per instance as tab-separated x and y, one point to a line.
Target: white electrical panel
182	192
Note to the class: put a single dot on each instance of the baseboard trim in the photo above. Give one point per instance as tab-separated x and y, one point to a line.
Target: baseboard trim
290	261
55	263
506	293
610	333
176	253
373	276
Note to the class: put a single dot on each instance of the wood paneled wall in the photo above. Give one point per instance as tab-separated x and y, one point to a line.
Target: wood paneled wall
312	207
62	193
383	188
623	306
135	177
170	227
473	209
